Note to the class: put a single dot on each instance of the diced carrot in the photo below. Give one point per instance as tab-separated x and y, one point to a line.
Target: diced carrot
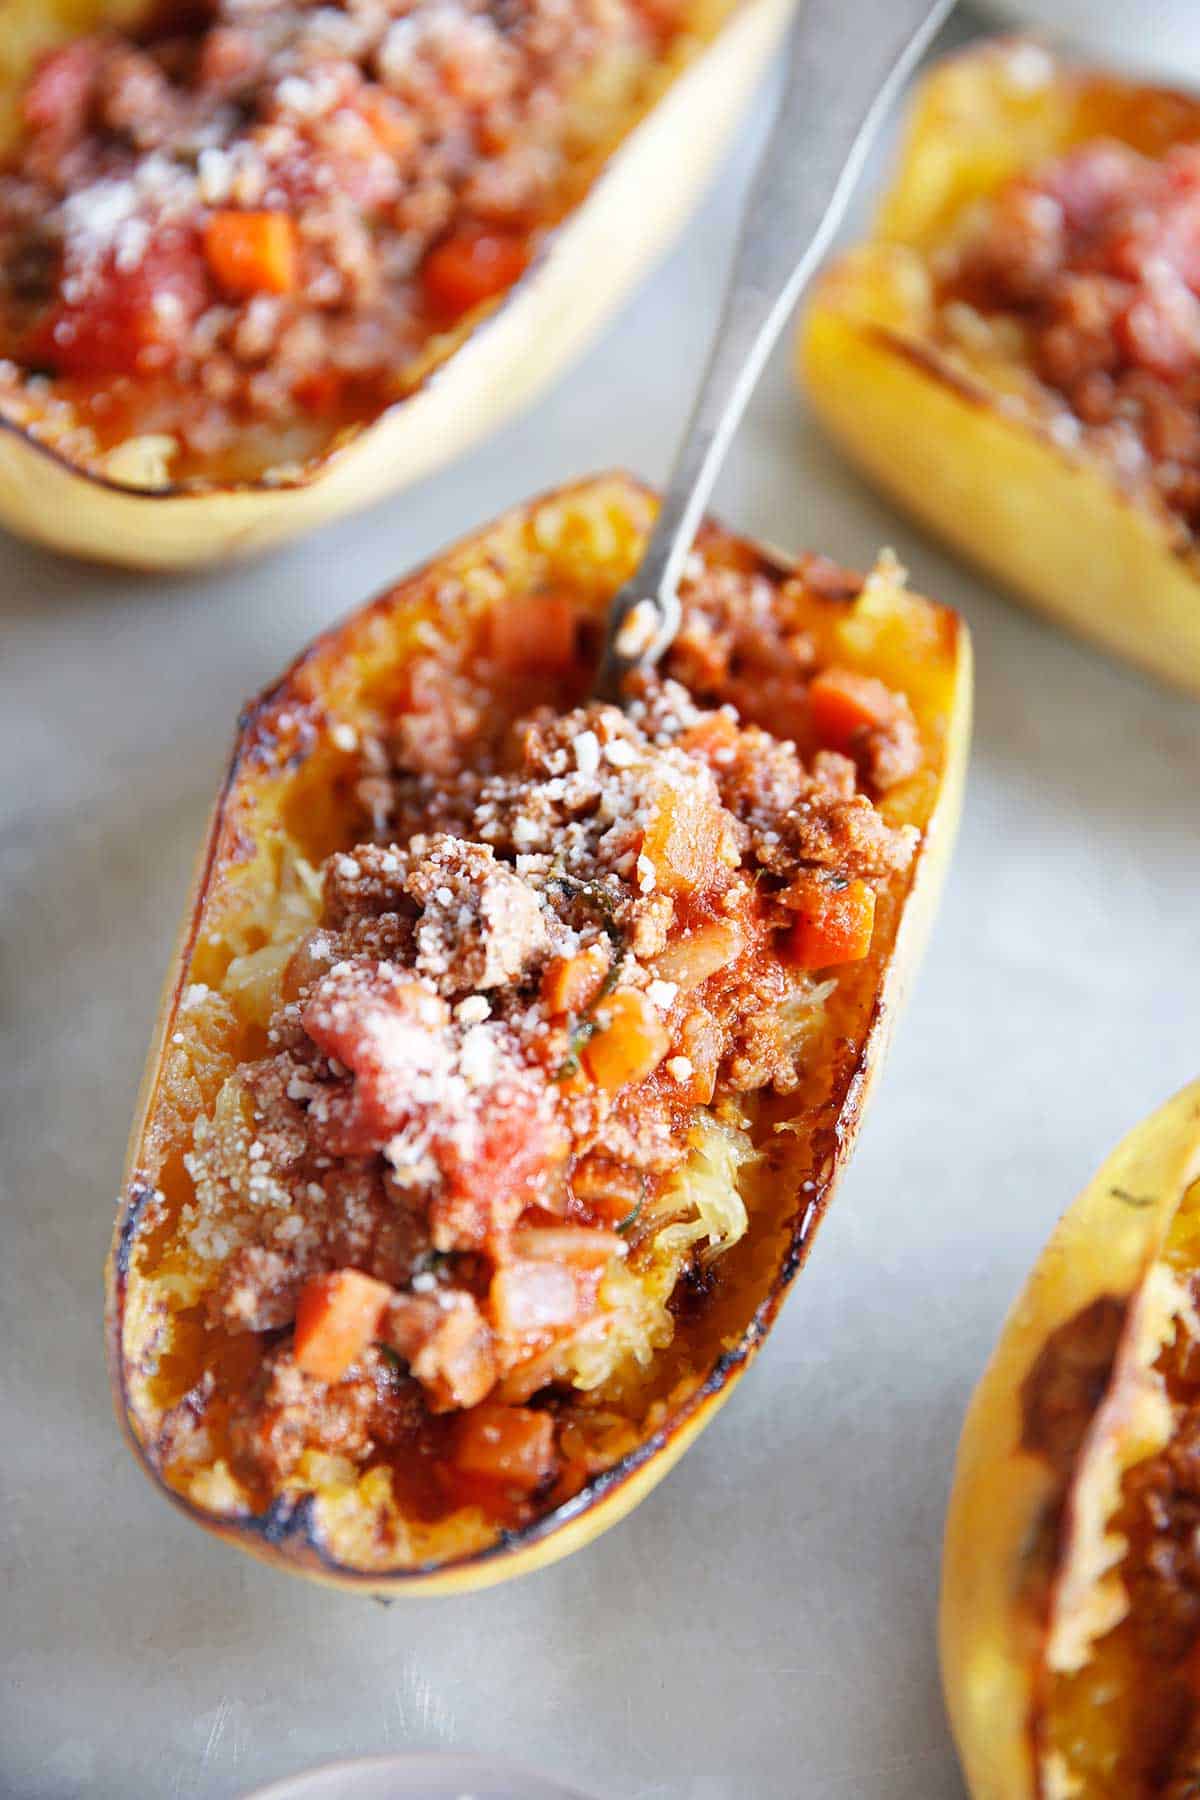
126	319
630	1044
337	1317
842	703
687	842
252	252
507	1444
834	925
474	264
569	983
537	632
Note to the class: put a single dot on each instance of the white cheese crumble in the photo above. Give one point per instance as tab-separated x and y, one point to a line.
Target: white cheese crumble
473	1010
587	753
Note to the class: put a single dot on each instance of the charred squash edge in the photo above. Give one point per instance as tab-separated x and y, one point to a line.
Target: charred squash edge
491	366
1053	526
991	1649
284	1534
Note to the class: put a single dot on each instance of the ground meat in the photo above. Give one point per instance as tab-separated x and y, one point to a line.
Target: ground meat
288	1413
447	1344
1062	1390
1098	256
1184	1782
256	1291
488	1053
242	228
481	925
1164	1570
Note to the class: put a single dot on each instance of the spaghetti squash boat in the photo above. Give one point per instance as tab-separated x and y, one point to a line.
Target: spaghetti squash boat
517	1041
1071	1587
262	264
1014	355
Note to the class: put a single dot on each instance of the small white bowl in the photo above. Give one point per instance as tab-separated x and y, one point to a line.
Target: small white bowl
1159	38
431	1776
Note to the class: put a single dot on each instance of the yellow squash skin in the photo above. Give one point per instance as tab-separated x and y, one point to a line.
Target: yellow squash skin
478	375
998	1651
286	767
952	439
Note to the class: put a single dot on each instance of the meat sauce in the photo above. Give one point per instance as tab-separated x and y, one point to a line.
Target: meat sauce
1097	256
432	1212
240	228
1159	1519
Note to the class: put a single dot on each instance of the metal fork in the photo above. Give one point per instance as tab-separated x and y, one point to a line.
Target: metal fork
845	61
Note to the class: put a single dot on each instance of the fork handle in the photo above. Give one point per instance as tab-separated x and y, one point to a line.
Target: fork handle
845	61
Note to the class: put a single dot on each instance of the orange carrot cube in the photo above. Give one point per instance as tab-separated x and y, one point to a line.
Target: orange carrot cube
337	1317
630	1044
569	983
252	252
510	1445
833	925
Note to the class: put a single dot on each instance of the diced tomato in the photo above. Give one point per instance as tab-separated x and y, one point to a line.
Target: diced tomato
381	1029
834	924
474	264
843	703
536	632
127	320
252	252
488	1188
630	1044
320	393
687	841
569	983
59	96
337	1317
509	1445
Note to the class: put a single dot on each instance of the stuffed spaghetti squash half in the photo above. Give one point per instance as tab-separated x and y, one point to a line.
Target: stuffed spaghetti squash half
1014	353
1070	1595
517	1040
261	265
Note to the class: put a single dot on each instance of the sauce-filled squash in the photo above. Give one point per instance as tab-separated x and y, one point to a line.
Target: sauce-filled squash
517	1040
